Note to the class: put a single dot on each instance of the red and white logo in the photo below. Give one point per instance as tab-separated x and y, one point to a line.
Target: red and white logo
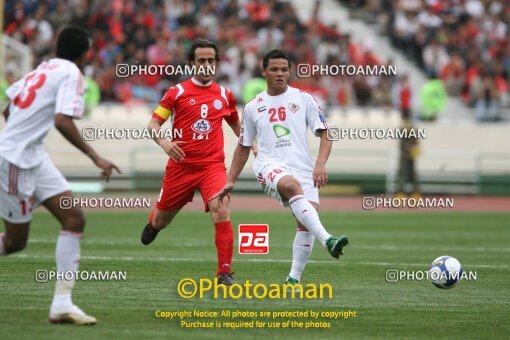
201	126
253	239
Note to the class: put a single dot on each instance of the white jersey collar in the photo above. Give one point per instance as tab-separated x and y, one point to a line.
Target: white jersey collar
287	91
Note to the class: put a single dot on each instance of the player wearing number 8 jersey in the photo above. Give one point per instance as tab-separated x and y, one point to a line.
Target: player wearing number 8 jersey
197	107
50	95
280	117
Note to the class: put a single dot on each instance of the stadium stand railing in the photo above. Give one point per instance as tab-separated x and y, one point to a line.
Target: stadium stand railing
16	57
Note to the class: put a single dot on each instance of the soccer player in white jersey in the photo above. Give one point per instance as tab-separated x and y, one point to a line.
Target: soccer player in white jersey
279	117
52	94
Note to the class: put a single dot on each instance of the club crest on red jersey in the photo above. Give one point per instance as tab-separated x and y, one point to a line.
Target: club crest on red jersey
201	126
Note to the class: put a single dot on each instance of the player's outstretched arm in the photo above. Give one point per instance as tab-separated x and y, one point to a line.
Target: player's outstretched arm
172	149
320	175
241	155
65	125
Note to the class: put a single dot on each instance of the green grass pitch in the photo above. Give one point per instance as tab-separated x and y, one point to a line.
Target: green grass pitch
379	241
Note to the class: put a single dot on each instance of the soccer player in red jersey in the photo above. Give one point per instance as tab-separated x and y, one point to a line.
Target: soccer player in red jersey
197	108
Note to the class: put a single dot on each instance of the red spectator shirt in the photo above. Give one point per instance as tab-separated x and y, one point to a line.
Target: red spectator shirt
198	111
405	97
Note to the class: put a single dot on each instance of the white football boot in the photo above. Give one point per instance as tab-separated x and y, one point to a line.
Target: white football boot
71	314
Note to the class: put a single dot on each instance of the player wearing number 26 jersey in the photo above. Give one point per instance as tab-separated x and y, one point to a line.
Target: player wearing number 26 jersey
196	107
51	95
280	118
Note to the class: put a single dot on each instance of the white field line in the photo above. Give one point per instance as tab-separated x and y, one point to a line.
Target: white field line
281	245
186	259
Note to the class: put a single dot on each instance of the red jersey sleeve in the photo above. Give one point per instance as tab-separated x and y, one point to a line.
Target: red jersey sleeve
166	105
233	116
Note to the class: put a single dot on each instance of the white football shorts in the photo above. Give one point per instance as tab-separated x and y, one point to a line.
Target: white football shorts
22	190
269	175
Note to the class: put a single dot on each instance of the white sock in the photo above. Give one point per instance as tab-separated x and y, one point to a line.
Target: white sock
2	245
67	254
307	215
301	250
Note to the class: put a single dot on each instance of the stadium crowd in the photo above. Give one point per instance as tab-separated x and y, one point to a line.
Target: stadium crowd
465	43
158	32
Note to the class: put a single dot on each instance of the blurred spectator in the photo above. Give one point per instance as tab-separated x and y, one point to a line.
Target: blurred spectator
452	39
158	32
433	99
429	19
403	96
453	74
487	99
271	37
382	93
405	28
362	90
474	8
259	12
92	95
60	16
434	58
407	179
253	87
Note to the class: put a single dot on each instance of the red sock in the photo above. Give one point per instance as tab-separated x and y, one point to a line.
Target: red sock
151	217
224	245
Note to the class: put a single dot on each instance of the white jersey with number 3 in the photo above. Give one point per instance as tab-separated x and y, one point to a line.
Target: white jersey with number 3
281	125
55	86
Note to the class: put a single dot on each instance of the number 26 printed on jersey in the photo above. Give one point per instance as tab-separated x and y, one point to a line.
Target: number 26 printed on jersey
276	115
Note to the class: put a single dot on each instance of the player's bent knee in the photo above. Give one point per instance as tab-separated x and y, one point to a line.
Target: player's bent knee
12	246
291	188
74	221
220	214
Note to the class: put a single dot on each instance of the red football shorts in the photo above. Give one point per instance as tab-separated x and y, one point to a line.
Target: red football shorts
180	183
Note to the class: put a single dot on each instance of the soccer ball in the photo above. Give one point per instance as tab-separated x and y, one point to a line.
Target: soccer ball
445	272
